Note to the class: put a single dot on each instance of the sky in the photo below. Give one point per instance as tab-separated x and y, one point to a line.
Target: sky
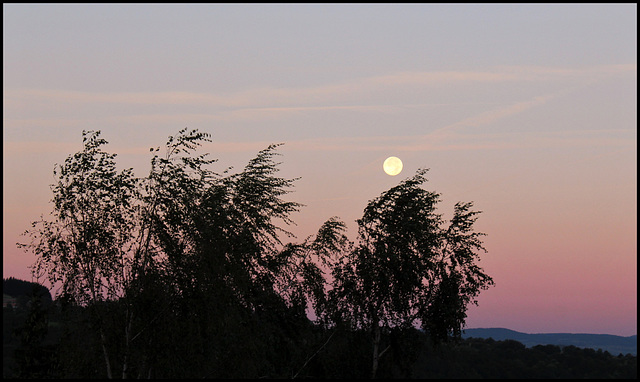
528	110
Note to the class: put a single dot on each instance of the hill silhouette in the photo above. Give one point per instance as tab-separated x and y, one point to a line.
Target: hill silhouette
14	289
611	343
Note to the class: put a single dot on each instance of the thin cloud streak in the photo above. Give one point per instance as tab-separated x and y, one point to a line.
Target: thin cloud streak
615	138
40	147
492	116
296	98
249	105
453	142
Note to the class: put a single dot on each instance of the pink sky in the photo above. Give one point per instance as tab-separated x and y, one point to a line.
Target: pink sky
529	111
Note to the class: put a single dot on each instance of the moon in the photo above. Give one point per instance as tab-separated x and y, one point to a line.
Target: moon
392	166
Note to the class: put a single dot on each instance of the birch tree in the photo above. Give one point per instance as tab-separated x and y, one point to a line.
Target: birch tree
85	244
408	267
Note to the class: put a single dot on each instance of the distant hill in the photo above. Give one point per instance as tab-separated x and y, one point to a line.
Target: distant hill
16	290
613	344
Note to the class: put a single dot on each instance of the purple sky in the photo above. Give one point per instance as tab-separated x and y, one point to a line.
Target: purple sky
527	110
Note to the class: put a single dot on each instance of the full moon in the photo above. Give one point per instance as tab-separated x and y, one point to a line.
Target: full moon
392	166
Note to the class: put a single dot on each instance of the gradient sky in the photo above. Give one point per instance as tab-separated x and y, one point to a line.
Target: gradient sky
529	111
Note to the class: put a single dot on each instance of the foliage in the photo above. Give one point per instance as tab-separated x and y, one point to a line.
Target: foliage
85	245
486	358
407	268
344	355
34	358
184	272
16	288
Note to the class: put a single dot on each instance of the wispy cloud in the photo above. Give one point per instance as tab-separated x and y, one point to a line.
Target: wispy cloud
491	116
10	148
390	94
297	98
614	138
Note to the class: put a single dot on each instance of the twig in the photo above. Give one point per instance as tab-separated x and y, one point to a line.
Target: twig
314	354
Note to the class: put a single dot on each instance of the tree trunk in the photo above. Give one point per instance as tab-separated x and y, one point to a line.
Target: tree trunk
377	354
106	353
376	349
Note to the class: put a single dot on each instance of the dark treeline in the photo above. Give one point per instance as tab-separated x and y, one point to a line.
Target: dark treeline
302	350
20	288
486	358
184	274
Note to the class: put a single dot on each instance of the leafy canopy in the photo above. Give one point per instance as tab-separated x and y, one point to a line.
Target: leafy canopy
189	245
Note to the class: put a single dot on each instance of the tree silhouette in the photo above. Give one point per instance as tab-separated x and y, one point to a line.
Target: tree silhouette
84	246
185	272
34	359
407	269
